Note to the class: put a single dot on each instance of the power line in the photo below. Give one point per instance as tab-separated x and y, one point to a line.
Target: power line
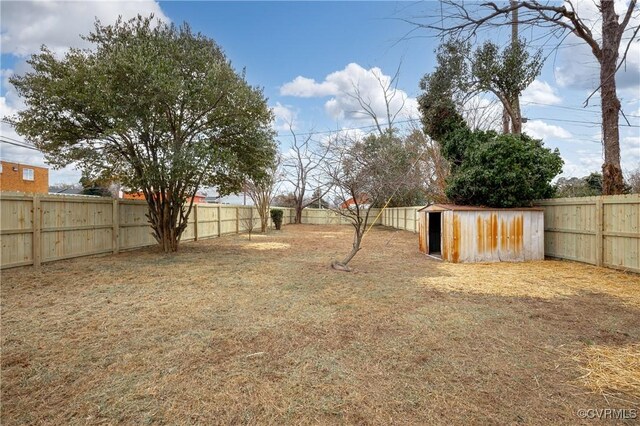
572	108
13	139
590	123
3	140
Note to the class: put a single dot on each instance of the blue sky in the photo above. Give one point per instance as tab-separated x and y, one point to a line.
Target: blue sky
308	56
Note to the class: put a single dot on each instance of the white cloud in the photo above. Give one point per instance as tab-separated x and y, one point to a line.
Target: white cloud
541	130
26	25
540	92
483	113
586	163
303	87
346	86
285	117
578	67
630	151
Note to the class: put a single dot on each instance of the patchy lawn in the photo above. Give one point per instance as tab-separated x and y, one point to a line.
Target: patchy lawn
263	331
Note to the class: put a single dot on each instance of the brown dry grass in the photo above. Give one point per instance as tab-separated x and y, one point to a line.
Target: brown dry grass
238	331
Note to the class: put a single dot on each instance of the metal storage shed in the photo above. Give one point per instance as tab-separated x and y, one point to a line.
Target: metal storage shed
480	234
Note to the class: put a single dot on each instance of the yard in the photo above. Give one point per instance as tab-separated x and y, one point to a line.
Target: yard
263	331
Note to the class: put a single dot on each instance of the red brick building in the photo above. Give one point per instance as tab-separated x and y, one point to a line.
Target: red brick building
16	177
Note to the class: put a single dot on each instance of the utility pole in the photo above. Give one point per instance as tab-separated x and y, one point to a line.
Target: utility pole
507	126
516	126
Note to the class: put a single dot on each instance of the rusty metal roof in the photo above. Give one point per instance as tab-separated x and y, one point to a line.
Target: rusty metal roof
442	207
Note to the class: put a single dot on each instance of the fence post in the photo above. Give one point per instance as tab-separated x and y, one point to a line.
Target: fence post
37	227
195	222
599	226
115	222
405	219
237	220
219	223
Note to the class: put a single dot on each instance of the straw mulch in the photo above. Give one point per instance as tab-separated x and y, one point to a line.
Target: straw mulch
611	370
544	279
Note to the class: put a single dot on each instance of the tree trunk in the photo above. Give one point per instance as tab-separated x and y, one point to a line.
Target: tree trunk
516	121
298	218
163	218
357	239
505	121
264	222
612	181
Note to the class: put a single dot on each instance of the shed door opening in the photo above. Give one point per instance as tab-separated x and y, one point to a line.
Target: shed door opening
435	231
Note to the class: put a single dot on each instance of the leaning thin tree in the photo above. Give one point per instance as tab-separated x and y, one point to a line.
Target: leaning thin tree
365	173
154	106
457	19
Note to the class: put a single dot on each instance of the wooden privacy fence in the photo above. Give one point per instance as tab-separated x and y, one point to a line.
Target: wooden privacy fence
405	218
36	229
603	231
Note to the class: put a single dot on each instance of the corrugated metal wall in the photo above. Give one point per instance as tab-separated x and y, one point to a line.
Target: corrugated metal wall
488	235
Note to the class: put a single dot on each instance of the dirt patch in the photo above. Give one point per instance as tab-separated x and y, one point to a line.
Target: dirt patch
267	246
219	333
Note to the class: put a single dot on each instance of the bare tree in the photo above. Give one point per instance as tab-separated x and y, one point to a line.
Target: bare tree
482	113
365	173
388	88
262	190
458	20
431	166
355	191
247	220
303	170
633	180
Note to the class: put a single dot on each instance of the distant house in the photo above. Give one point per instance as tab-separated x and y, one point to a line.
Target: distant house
16	177
66	190
363	199
198	199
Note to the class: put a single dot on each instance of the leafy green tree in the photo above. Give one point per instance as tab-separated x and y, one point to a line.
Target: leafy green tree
503	171
444	91
488	169
506	74
154	105
461	73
